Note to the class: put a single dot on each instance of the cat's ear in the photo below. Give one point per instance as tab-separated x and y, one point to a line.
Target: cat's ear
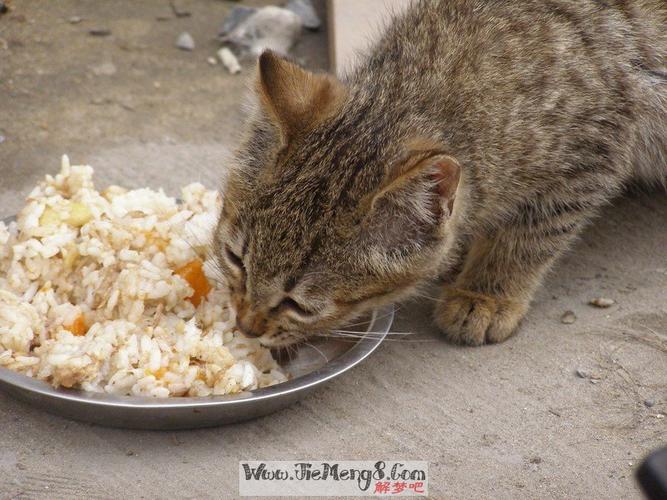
425	179
295	98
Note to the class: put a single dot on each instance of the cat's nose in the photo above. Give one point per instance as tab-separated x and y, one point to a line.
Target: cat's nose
250	326
248	332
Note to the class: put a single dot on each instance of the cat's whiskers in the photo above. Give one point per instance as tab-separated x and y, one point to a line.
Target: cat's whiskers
381	316
326	360
359	332
354	336
427	297
353	339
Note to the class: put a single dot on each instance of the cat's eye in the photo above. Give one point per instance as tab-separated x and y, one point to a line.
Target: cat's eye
290	304
233	258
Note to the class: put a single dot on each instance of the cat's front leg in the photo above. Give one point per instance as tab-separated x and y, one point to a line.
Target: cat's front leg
500	274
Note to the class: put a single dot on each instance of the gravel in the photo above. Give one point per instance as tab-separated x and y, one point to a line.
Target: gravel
568	318
185	41
602	302
99	32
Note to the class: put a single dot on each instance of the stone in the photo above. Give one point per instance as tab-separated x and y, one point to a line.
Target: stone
99	32
602	302
568	318
177	11
185	41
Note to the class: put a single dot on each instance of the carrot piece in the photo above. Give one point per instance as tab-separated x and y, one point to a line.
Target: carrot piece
78	326
193	273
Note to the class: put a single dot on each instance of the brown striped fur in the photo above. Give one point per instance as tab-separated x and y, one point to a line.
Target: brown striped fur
473	141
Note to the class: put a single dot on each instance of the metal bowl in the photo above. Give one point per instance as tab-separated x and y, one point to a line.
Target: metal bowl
309	369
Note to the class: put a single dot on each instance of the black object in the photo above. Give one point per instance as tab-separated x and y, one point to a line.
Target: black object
652	475
3	8
99	32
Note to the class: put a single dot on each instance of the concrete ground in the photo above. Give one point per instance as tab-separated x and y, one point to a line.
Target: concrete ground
506	421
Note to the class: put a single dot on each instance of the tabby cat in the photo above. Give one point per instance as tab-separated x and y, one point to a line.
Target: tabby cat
473	142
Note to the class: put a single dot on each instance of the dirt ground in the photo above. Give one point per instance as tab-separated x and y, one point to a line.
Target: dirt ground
507	421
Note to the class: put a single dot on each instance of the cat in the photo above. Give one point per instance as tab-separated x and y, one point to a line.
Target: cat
473	142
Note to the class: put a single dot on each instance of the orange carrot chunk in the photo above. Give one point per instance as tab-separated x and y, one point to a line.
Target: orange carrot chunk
193	273
78	326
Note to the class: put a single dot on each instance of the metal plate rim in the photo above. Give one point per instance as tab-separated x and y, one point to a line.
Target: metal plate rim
346	361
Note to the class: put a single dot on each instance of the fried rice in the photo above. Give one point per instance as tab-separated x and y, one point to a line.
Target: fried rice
114	292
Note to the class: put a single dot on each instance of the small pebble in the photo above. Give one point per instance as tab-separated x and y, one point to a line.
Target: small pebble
185	41
568	317
75	20
305	10
99	32
536	460
229	60
212	61
2	139
130	453
602	302
178	12
589	375
3	8
649	403
105	69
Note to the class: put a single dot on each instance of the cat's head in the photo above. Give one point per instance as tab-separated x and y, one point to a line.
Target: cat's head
333	206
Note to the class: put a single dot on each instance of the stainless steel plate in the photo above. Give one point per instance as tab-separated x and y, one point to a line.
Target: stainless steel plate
308	368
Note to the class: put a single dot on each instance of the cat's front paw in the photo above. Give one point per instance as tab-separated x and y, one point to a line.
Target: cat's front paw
475	319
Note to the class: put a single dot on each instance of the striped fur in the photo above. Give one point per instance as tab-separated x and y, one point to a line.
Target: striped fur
549	107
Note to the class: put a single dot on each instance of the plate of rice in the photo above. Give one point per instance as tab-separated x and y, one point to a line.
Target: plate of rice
110	313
